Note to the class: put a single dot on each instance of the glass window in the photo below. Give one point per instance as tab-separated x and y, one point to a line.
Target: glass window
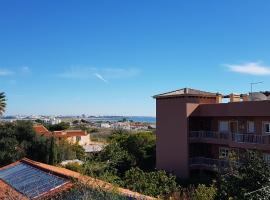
223	126
267	127
251	127
223	152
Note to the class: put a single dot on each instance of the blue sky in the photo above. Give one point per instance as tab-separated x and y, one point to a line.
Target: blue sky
111	56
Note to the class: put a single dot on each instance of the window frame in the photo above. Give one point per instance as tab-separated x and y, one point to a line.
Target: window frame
228	126
225	151
263	126
248	127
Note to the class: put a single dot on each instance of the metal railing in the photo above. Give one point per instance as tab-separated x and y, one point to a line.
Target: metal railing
211	164
208	134
250	138
235	137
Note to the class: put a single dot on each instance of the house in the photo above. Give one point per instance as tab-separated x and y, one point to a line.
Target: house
73	136
28	179
197	131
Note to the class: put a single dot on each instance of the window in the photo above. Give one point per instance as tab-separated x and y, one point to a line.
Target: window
223	126
266	158
250	127
223	152
266	127
78	138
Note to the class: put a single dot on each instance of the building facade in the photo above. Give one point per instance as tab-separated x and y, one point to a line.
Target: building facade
197	131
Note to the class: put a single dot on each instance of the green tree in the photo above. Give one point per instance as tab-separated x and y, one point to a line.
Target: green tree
203	192
251	175
58	127
156	183
141	146
117	158
18	140
53	151
2	103
79	151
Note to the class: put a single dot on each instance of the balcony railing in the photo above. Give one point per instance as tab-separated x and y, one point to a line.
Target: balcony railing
208	134
211	164
251	138
235	137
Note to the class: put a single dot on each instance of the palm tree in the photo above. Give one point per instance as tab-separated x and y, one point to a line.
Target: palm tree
2	103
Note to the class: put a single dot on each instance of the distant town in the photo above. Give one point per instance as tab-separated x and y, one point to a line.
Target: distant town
129	123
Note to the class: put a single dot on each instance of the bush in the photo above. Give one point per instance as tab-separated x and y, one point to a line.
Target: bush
250	176
75	167
140	146
156	183
203	192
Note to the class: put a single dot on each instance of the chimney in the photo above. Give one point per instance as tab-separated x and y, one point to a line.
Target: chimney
235	97
245	97
219	98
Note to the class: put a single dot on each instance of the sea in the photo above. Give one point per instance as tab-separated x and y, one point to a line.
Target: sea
119	118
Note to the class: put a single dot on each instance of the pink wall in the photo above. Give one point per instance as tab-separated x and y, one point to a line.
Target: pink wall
249	108
172	135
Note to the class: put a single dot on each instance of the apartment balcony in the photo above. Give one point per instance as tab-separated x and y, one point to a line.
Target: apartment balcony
218	165
209	137
232	139
251	138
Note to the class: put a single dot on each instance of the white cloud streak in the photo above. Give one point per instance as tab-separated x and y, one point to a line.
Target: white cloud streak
104	74
251	68
101	77
5	72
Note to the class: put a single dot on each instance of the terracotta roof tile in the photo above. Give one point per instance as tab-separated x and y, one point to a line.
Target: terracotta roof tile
91	182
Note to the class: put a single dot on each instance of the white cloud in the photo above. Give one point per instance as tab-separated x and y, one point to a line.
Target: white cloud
25	70
100	77
5	72
104	74
252	68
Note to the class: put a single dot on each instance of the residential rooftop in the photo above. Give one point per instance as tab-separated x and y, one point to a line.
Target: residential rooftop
184	92
234	97
41	130
28	179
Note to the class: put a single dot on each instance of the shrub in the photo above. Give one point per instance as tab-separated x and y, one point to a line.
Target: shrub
156	183
75	167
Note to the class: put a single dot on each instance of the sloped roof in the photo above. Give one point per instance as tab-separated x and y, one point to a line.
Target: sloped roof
71	133
42	130
24	180
66	175
185	92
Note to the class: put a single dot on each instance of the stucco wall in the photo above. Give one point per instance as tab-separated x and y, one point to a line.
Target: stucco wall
172	135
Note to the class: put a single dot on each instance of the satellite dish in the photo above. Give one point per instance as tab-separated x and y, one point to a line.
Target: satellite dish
257	96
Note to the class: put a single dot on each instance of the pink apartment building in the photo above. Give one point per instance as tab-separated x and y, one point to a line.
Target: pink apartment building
196	131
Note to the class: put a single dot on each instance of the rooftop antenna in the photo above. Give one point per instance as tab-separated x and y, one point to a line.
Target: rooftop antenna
251	87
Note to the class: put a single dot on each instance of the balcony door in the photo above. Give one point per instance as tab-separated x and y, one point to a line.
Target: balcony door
234	126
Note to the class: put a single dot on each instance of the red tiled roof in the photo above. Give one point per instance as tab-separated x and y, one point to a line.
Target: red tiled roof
7	192
71	133
71	175
40	129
